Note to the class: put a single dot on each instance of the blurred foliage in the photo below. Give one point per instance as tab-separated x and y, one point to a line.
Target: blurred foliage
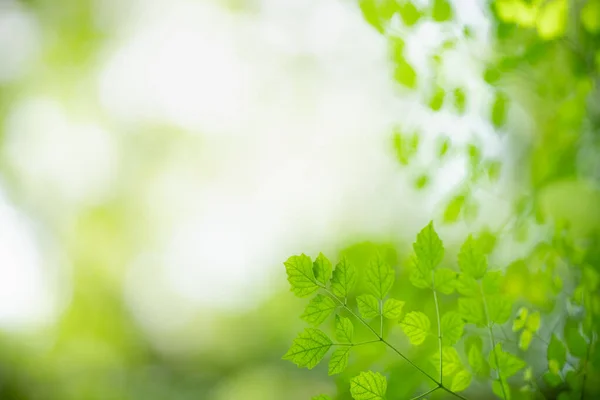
545	64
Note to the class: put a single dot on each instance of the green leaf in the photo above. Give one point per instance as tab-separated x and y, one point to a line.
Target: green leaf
590	16
368	386
322	269
451	363
416	326
444	147
508	364
452	327
319	308
309	348
575	341
409	13
552	379
339	360
472	311
445	280
368	306
499	309
471	259
418	279
499	110
344	329
519	321
467	286
429	249
442	10
493	170
321	397
461	381
380	277
460	100
343	279
300	275
501	388
392	308
492	282
525	339
533	322
453	209
437	100
557	351
405	74
477	361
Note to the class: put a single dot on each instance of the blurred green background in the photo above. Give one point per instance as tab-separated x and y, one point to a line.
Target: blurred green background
160	159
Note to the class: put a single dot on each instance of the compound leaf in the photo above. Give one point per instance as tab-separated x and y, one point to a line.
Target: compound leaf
339	360
300	275
322	269
309	348
368	386
392	308
318	309
416	326
344	329
343	279
368	306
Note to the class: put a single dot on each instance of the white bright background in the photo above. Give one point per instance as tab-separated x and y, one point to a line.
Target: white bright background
285	110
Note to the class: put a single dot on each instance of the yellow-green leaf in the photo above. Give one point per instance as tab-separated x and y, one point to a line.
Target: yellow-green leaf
392	308
416	326
300	275
368	386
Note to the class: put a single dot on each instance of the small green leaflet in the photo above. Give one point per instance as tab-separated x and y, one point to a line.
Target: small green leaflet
453	209
477	361
467	286
418	279
452	327
472	311
499	308
300	275
519	321
557	351
525	339
445	280
368	306
576	343
416	326
533	322
492	282
321	397
428	248
500	388
451	363
309	348
368	386
343	279
442	10
461	381
508	364
339	360
322	269
392	308
380	277
318	309
344	330
471	259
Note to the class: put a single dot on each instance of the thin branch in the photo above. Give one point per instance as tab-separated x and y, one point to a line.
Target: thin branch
439	325
492	340
425	394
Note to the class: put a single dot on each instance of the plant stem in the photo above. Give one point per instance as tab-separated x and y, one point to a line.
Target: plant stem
381	318
492	340
585	363
439	325
453	393
425	394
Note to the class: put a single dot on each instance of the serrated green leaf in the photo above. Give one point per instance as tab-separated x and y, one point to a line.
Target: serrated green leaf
445	280
418	279
533	322
575	341
467	286
339	360
429	249
319	308
416	326
452	326
344	329
557	351
471	259
321	397
368	386
309	348
392	308
322	269
499	308
451	363
300	275
472	311
519	321
343	279
453	209
368	306
380	277
508	364
461	381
